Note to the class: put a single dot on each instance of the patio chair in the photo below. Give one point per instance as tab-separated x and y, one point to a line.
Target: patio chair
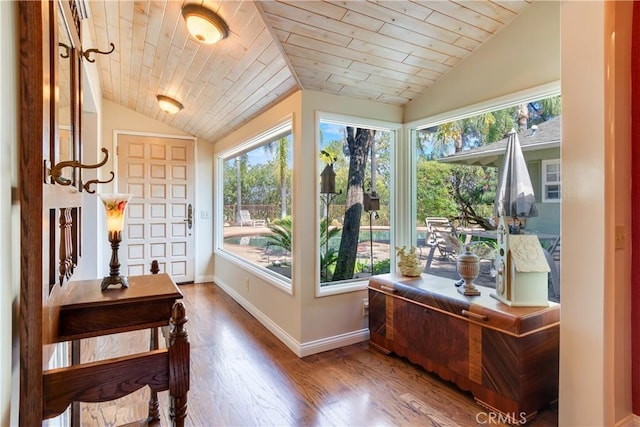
441	235
245	218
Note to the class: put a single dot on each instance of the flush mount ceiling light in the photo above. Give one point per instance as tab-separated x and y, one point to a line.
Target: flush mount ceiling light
204	24
168	104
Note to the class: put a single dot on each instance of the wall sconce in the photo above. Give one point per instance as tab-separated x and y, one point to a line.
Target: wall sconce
169	104
115	205
203	24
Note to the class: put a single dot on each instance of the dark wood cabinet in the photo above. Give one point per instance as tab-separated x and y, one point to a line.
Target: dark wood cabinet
148	303
507	357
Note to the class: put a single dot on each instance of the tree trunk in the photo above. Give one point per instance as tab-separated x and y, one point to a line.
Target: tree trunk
359	146
374	176
523	116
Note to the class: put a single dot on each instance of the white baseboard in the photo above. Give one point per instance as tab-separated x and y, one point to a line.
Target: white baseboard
336	341
203	279
300	349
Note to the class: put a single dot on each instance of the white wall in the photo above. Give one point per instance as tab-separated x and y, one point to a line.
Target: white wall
523	55
338	317
276	309
92	248
204	203
619	189
9	215
306	323
594	328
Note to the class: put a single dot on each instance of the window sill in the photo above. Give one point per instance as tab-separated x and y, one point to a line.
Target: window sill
354	285
263	273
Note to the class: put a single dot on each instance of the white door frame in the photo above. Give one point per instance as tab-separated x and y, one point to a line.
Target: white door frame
118	133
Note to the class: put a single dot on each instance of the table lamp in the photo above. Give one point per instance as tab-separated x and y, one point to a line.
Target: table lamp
115	205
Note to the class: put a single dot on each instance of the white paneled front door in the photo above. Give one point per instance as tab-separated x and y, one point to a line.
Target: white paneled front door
159	172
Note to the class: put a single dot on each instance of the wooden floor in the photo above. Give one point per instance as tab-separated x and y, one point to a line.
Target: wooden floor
241	375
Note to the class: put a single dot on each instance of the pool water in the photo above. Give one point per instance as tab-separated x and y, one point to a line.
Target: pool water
257	241
260	241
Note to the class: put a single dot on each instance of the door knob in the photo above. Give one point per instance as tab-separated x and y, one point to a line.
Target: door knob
189	218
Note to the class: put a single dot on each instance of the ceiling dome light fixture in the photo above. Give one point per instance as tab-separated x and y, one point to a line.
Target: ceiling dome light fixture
203	24
169	104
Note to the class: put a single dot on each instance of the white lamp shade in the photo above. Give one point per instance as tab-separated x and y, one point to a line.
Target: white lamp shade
115	205
203	24
168	104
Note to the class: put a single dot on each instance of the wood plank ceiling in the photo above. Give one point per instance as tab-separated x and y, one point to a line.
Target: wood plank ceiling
385	51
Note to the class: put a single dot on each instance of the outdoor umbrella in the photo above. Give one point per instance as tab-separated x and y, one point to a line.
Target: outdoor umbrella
514	196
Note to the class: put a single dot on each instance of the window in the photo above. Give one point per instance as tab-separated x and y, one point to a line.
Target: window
355	194
256	199
457	161
551	188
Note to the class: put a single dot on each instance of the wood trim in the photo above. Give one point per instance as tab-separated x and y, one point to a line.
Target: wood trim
635	206
34	132
104	380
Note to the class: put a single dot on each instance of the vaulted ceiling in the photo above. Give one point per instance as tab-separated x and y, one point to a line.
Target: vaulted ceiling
385	51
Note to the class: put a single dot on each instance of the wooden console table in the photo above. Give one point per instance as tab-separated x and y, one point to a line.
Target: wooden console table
507	357
150	302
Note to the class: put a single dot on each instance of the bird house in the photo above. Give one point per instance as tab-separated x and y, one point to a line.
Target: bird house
328	180
370	201
522	279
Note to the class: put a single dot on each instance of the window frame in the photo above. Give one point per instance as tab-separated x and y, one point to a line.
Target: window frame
279	129
544	182
395	129
535	93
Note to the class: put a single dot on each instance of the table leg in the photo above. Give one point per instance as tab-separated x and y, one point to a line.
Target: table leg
154	404
75	406
179	360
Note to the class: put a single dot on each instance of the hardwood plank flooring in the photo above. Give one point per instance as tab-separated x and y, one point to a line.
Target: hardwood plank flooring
242	375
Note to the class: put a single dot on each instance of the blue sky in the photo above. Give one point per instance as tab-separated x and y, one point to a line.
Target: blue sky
261	156
330	131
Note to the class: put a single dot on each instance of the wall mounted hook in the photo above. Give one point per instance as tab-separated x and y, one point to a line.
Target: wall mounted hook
88	52
87	184
56	171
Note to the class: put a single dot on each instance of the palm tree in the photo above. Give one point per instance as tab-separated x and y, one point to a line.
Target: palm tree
330	256
282	234
280	151
447	133
241	166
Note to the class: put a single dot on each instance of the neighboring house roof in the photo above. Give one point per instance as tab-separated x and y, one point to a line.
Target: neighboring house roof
547	135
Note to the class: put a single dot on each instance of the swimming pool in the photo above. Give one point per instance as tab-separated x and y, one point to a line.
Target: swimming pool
261	241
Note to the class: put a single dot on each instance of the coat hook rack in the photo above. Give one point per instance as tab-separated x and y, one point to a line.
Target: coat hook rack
88	52
56	171
87	184
66	50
